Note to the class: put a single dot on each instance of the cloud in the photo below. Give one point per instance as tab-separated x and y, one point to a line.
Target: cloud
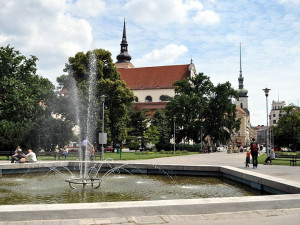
161	13
164	56
289	1
87	8
45	29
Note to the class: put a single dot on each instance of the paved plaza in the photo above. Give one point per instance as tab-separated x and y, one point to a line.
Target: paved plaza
259	216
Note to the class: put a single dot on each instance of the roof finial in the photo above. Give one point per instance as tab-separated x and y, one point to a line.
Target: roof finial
124	31
124	56
240	60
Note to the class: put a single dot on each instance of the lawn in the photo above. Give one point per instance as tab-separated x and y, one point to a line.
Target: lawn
261	160
124	155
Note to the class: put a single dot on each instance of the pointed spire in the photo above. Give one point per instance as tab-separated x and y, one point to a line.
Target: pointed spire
124	32
240	60
241	78
241	91
124	56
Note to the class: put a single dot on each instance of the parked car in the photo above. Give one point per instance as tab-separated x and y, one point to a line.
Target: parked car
109	149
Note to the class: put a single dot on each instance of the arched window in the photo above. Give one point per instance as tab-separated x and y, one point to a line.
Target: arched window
148	99
241	105
136	99
163	98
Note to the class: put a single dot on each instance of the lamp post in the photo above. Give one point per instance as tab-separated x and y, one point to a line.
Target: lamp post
201	139
266	90
174	134
102	99
270	133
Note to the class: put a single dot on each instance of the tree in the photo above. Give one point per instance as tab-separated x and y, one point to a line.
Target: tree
200	106
163	125
221	113
287	131
24	97
137	127
107	82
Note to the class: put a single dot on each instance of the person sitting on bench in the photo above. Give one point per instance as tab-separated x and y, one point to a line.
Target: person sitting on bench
270	157
19	157
31	156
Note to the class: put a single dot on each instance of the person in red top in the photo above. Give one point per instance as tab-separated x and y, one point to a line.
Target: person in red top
248	153
254	152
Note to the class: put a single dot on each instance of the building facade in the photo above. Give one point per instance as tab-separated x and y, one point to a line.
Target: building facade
243	135
150	85
276	113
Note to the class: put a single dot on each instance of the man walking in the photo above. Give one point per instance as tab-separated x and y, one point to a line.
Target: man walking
254	152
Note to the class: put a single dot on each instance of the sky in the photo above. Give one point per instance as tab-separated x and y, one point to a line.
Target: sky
169	32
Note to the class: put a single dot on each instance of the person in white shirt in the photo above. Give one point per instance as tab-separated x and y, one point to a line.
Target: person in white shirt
31	155
270	157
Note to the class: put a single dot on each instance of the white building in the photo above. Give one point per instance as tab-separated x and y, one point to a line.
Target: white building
276	113
150	85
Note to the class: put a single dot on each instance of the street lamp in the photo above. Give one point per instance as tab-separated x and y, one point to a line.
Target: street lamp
201	139
266	90
174	134
102	100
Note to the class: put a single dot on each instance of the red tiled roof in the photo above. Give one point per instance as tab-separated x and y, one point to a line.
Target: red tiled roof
154	77
150	107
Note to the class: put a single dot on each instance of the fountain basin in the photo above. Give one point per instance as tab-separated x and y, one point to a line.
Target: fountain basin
287	197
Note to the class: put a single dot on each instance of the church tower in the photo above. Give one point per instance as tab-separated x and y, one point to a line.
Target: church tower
242	92
124	58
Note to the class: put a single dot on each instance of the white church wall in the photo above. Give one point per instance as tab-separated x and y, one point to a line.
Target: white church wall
154	93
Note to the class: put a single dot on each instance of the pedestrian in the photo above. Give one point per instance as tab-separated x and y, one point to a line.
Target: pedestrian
254	152
65	152
92	154
85	145
248	153
241	148
31	155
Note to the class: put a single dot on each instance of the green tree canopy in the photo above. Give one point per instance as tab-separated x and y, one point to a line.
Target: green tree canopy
198	106
24	97
107	82
287	131
163	126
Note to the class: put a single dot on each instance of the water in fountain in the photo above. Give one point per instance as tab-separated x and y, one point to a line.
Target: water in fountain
49	188
86	122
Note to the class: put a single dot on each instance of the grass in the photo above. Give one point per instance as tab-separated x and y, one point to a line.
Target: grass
261	160
124	155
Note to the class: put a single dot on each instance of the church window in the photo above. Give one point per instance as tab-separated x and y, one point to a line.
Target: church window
163	98
136	99
148	99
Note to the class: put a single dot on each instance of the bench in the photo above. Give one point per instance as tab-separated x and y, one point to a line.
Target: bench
6	153
54	154
61	156
292	158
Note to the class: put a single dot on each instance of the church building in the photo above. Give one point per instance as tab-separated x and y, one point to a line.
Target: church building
150	85
242	136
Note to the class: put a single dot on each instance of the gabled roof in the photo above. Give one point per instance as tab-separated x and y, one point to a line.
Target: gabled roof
154	77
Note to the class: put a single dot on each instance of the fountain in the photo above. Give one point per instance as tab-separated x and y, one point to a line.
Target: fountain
88	123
